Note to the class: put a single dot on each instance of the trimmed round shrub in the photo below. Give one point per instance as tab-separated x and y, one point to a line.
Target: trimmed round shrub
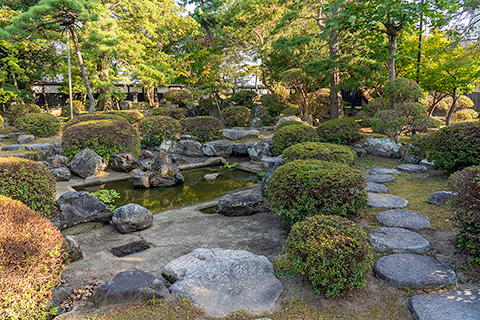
131	116
456	146
177	96
292	134
274	103
373	106
331	252
178	113
243	98
390	122
29	182
18	110
464	115
424	121
158	128
39	124
161	111
205	128
31	255
237	116
402	90
206	104
105	137
140	105
291	111
304	188
341	131
287	123
91	117
319	151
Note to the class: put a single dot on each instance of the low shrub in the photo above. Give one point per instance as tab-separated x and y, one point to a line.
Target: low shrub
31	255
161	111
156	129
291	111
91	117
39	124
105	137
341	131
402	90
77	108
304	188
131	116
140	105
374	106
178	96
424	122
292	134
243	98
236	116
390	122
319	151
464	115
274	103
178	113
331	252
206	104
288	123
319	104
18	110
29	182
205	128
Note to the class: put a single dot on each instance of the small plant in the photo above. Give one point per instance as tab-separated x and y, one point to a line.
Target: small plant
107	196
260	175
228	165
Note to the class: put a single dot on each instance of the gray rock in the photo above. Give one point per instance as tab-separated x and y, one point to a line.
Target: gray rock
140	180
260	149
441	197
237	134
454	305
380	178
80	207
211	176
286	119
401	218
124	161
241	204
168	175
240	150
178	159
265	178
129	287
427	164
383	147
190	148
376	187
230	280
413	155
383	171
3	136
256	123
59	161
74	251
217	148
62	174
57	148
146	164
359	151
145	154
414	271
25	138
272	162
411	168
39	147
132	217
169	146
380	200
12	147
87	163
397	240
162	158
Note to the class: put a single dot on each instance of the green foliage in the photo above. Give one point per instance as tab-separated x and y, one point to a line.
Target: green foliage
178	113
1	121
228	165
465	115
292	134
341	131
178	96
205	104
390	122
131	116
18	110
77	108
374	106
141	105
156	129
288	123
274	103
205	128
304	188
402	90
105	137
291	111
331	252
91	117
243	98
29	182
236	116
39	124
424	121
319	103
107	196
161	111
319	151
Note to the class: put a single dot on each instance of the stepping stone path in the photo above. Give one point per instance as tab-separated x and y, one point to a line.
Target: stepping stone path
383	171
376	200
401	218
39	147
12	147
411	168
376	187
397	240
414	271
441	197
462	305
380	178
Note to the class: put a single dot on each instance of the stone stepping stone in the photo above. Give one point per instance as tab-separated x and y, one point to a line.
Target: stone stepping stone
401	218
414	271
383	171
12	147
377	200
39	147
462	305
376	187
397	240
380	178
441	197
411	168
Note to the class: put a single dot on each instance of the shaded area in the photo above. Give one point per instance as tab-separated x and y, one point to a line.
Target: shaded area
129	248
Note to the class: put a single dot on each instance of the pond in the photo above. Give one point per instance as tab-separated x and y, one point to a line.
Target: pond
194	190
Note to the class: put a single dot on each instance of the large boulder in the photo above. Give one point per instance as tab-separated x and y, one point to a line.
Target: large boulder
240	149
166	176
413	155
59	161
230	280
80	207
61	174
190	148
242	204
272	162
140	180
12	147
39	147
287	119
132	217
260	149
25	138
124	161
383	147
87	163
217	148
237	134
169	146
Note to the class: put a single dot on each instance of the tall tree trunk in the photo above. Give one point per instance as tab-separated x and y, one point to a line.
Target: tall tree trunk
365	94
209	33
105	102
91	109
392	32
451	111
149	97
336	106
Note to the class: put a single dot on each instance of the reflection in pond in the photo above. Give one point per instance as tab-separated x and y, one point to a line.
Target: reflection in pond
194	190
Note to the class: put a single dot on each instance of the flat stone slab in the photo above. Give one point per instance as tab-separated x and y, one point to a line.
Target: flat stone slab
411	168
380	178
462	305
39	147
378	200
401	218
414	271
383	171
12	147
397	240
441	197
376	187
236	134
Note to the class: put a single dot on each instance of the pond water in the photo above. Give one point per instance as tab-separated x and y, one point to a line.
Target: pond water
194	190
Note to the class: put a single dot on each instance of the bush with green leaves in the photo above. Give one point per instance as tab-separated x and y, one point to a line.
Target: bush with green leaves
17	110
331	252
243	98
292	134
341	131
291	111
91	117
274	103
178	113
287	123
423	122
319	104
178	96
105	137
77	108
402	90
141	105
304	188
29	182
39	124
107	196
465	115
319	151
236	116
161	111
131	116
206	104
158	128
374	106
205	128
